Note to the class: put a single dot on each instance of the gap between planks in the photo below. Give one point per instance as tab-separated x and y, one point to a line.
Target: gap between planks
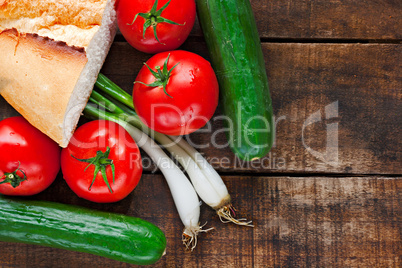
243	173
120	38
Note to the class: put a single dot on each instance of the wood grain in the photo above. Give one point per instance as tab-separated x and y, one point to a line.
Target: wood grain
336	19
363	80
337	62
312	20
300	222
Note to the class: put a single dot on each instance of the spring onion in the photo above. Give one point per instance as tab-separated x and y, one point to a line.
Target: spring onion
206	181
184	195
224	208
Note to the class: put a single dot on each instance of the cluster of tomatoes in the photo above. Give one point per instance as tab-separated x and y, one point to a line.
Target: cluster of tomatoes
102	163
175	93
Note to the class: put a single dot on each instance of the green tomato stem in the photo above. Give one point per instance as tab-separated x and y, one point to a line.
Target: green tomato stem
162	75
152	18
100	161
13	178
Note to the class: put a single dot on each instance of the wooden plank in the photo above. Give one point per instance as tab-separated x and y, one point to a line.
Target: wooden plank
316	222
6	110
327	20
300	222
352	87
352	91
342	19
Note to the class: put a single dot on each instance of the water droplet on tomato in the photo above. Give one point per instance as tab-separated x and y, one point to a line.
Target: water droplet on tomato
12	133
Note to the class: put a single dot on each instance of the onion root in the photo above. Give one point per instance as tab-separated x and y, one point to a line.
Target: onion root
227	214
190	236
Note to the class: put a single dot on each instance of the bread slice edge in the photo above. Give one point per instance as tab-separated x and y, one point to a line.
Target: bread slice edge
96	54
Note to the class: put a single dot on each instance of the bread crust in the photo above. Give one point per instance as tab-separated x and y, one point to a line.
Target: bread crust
51	54
66	12
32	69
72	21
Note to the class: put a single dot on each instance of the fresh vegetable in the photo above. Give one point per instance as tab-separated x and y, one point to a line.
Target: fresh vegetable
102	163
153	26
211	187
184	195
206	181
233	42
29	160
176	92
114	236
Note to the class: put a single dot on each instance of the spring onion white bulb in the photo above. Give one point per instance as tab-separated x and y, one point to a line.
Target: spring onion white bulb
224	208
206	181
183	193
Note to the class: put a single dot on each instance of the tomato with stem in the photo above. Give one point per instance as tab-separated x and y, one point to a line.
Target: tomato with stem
102	162
29	160
176	92
153	26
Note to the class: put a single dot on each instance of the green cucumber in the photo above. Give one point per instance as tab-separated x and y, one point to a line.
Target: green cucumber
234	45
115	236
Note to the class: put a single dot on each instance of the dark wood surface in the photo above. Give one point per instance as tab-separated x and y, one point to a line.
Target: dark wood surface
339	61
328	20
300	222
364	80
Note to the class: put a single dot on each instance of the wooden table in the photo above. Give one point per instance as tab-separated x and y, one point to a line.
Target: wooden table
329	193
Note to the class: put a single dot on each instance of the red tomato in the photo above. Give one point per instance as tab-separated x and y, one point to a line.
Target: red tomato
29	160
96	147
153	26
179	98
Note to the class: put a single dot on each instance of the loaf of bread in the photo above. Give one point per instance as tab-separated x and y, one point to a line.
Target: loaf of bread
51	54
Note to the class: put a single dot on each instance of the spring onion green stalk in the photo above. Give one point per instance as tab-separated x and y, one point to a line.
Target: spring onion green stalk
196	175
184	195
113	90
206	181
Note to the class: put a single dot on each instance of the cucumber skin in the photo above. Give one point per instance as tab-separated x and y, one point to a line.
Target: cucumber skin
119	237
234	45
